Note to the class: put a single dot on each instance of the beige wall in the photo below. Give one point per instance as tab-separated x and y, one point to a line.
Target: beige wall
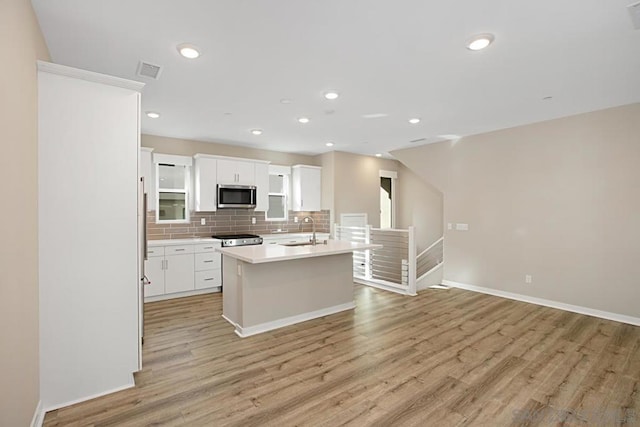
420	205
559	200
21	43
351	184
327	161
357	184
187	147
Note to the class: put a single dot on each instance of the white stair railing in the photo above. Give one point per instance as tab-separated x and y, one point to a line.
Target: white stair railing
391	267
430	258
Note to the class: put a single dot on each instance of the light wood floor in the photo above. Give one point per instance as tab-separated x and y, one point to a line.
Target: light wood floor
443	358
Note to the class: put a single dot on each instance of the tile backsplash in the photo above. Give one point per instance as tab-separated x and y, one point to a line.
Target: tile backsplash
229	221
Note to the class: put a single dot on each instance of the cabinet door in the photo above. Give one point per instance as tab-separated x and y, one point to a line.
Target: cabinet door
153	268
307	182
262	184
226	172
179	273
205	184
146	171
246	173
236	172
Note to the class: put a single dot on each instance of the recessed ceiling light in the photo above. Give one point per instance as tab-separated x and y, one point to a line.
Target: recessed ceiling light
378	155
374	115
256	131
285	101
329	144
189	51
303	120
414	121
331	95
480	41
153	114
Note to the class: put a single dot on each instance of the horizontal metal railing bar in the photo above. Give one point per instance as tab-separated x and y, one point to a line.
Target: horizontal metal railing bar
384	238
387	261
389	230
389	268
389	278
381	270
386	246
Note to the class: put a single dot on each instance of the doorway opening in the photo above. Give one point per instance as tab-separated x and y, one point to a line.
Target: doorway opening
387	199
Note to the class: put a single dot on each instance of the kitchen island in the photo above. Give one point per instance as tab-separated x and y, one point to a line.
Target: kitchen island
270	286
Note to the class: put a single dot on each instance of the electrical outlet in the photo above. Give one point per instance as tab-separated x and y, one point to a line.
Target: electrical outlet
203	221
295	219
253	220
528	278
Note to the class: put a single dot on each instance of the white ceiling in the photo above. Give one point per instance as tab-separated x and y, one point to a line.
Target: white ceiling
404	58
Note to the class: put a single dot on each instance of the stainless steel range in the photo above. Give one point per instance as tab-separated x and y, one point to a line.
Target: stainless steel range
238	239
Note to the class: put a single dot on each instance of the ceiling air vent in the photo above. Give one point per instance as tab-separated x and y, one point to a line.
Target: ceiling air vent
634	11
151	71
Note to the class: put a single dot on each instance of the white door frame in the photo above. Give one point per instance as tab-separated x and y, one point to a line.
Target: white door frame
394	177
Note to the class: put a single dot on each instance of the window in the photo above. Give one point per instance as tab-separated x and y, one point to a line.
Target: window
278	198
172	183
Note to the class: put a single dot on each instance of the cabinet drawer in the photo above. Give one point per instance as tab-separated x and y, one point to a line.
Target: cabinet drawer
208	279
176	250
155	251
207	261
206	247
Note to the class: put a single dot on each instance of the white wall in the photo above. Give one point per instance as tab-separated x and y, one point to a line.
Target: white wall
88	185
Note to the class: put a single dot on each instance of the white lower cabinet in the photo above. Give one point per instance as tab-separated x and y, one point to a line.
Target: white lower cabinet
178	273
182	270
208	266
154	269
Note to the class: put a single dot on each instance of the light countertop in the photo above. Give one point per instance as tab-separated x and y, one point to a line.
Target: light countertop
196	240
258	254
175	242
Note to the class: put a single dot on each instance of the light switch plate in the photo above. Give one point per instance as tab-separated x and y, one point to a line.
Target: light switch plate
449	226
253	220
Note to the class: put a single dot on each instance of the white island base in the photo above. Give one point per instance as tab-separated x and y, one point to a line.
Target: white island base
261	297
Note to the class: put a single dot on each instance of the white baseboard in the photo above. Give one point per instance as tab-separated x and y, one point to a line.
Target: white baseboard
547	303
38	416
287	321
182	294
93	396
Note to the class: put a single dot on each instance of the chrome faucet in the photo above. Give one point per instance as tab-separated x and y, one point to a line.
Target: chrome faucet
314	241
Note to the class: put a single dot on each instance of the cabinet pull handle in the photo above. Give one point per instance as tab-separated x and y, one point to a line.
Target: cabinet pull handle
178	250
208	260
208	247
206	280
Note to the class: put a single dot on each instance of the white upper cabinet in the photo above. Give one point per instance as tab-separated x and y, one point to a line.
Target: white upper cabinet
238	172
205	183
262	184
146	172
210	170
306	182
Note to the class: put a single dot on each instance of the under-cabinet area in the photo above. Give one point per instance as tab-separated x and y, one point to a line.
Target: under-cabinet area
182	268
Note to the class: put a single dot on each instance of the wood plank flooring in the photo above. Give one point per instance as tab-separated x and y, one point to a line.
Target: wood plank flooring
443	358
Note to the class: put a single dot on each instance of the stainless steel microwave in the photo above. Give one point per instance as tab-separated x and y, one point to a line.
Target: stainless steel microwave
236	196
